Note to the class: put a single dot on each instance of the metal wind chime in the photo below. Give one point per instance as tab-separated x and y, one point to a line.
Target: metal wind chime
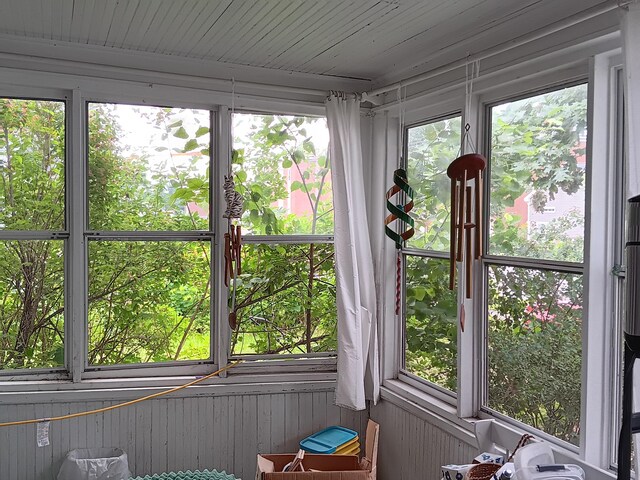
465	242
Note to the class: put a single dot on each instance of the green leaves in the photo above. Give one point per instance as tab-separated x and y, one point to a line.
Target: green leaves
191	144
279	157
181	133
201	131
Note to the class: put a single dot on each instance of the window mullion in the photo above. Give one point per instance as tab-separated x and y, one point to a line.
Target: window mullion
76	278
469	341
220	310
601	228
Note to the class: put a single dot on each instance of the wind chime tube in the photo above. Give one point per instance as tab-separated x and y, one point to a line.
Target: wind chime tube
468	240
461	210
452	239
478	217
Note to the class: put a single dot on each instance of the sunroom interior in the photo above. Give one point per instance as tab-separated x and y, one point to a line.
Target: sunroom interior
268	186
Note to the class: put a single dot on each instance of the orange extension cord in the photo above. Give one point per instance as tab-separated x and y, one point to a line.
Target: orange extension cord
120	405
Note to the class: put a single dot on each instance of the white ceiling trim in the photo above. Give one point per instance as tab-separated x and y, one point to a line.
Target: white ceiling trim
104	61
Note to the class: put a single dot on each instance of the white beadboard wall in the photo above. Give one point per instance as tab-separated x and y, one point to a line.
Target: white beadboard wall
170	434
413	449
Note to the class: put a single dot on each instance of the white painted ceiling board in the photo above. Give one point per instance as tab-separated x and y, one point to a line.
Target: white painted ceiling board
233	25
447	25
202	23
293	33
369	39
250	48
193	18
334	35
470	31
398	24
485	36
334	20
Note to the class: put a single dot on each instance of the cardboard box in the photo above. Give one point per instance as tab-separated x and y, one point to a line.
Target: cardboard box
329	467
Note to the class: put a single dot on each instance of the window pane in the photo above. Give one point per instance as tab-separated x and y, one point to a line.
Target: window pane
282	171
535	348
148	301
32	151
538	176
31	304
286	300
431	325
148	168
430	150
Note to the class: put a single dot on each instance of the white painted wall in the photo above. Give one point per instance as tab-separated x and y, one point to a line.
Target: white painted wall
192	431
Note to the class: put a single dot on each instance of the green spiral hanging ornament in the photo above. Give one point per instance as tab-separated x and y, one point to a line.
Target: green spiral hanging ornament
398	211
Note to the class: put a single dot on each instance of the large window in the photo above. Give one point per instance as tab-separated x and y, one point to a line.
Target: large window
109	244
33	233
528	308
285	296
534	261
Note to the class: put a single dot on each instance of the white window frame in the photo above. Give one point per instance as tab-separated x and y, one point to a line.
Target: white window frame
47	94
406	251
77	92
495	260
318	361
601	362
151	369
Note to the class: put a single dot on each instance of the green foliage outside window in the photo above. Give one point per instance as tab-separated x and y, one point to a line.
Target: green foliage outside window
32	150
149	299
285	296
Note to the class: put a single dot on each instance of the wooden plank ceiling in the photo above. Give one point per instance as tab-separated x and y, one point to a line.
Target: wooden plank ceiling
353	38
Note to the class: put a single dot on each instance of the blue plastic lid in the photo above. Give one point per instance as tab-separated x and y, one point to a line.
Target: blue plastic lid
327	440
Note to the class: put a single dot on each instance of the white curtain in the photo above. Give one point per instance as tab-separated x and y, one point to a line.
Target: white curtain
358	371
385	160
630	25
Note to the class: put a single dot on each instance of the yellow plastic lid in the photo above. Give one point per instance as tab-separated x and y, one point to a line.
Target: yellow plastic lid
350	450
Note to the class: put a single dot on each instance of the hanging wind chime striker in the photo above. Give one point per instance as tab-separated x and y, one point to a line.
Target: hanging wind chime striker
233	236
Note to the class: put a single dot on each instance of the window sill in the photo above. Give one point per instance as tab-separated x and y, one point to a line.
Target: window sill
444	416
41	391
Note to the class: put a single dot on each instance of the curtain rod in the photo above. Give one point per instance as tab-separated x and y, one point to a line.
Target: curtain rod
516	42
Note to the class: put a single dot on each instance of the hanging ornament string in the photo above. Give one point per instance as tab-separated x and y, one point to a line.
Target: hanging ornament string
466	223
398	209
232	239
472	72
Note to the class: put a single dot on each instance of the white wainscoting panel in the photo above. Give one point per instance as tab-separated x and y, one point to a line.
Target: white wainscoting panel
168	434
413	449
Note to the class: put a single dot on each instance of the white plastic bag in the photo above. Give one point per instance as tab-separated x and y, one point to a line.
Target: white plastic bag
95	464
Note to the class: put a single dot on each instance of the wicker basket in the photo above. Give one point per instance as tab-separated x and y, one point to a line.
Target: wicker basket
482	471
